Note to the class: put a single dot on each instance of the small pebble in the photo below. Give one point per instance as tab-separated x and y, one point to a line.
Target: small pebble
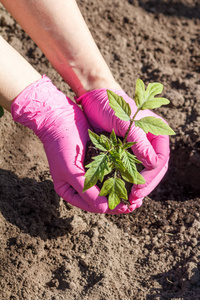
72	286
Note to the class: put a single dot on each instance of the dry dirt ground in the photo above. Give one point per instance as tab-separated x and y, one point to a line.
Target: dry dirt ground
51	250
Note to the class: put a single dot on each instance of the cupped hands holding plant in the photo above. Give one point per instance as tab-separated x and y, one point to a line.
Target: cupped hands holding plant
142	131
63	127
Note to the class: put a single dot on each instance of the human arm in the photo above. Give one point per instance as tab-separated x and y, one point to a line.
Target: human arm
60	31
15	74
58	122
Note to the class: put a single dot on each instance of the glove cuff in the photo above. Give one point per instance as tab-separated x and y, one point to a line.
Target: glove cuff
39	105
27	106
19	104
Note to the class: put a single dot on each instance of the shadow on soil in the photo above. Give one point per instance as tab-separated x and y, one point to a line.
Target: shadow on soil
170	8
175	284
32	206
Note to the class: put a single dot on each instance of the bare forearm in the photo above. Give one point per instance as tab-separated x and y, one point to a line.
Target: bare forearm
58	28
15	74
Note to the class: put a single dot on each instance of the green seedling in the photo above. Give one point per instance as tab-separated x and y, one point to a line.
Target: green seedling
115	157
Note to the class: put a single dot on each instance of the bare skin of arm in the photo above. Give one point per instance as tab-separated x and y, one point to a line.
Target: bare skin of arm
15	74
60	31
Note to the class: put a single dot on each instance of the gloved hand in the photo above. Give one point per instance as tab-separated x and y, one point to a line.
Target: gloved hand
152	151
63	129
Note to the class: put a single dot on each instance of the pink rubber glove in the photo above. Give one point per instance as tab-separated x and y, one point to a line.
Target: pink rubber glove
63	129
152	151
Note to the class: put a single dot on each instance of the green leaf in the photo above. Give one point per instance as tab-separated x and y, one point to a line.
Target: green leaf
119	191
97	140
107	187
120	142
136	179
156	102
154	125
128	145
115	188
139	92
127	177
120	151
130	174
146	99
115	158
113	138
109	168
118	104
1	111
120	188
96	170
140	179
129	161
152	90
133	158
113	200
105	141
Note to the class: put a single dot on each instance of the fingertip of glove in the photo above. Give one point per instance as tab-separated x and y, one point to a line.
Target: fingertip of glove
150	161
119	209
99	203
101	208
131	208
136	201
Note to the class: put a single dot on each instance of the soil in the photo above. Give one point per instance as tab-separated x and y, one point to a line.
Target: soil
51	250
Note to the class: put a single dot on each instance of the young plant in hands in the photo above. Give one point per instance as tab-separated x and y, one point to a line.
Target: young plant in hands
114	158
